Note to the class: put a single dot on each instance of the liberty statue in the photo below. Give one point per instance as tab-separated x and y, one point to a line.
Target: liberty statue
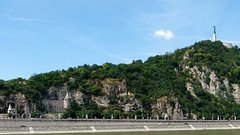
214	28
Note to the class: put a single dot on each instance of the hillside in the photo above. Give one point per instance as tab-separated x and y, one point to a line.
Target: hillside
201	80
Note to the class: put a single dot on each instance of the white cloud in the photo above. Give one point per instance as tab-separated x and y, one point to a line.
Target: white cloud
29	20
166	34
22	19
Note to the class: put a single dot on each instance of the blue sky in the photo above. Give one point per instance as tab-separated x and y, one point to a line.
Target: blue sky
38	36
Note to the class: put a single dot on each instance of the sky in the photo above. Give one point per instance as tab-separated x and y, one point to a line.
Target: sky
39	36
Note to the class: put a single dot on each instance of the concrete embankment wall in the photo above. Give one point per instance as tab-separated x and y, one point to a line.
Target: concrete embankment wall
120	120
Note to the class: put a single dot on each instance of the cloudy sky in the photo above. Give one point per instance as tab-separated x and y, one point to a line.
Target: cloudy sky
38	36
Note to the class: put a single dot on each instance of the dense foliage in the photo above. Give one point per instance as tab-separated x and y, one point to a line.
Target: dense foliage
147	80
224	61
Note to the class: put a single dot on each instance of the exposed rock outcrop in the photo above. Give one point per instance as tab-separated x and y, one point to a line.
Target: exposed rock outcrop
165	106
112	89
236	92
130	103
19	101
101	100
78	96
57	93
207	78
190	88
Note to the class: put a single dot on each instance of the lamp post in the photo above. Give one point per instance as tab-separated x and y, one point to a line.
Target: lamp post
220	115
82	113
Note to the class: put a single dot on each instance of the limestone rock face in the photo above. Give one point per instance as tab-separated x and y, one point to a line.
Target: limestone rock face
130	104
57	93
226	84
200	76
236	93
215	86
101	100
164	106
208	79
19	101
186	56
177	111
78	96
112	89
190	88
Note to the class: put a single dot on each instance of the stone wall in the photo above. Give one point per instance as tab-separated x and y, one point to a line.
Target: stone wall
53	105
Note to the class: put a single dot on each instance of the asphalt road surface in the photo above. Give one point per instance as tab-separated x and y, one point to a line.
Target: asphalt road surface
36	126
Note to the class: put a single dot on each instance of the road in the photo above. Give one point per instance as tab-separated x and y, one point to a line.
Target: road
37	126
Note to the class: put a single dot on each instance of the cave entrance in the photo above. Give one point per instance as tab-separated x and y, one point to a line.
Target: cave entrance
12	104
20	110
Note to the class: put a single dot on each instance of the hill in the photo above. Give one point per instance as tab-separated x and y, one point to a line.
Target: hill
198	81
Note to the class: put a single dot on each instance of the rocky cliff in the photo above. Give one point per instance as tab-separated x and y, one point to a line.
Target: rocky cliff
208	80
201	80
18	101
110	88
168	107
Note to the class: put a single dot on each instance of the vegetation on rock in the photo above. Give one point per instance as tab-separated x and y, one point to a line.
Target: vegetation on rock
150	80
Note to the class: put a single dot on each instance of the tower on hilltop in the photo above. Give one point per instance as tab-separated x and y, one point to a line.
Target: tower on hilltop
214	34
228	45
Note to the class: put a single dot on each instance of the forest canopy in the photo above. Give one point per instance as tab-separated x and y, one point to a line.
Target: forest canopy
149	80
